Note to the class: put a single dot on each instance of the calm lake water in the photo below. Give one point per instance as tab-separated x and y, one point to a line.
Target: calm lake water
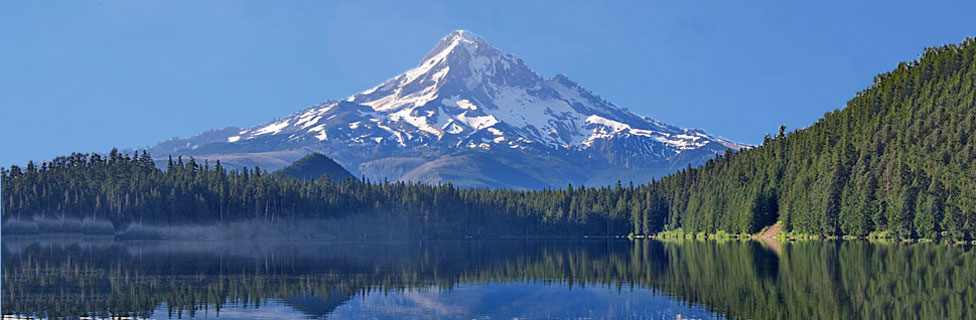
616	279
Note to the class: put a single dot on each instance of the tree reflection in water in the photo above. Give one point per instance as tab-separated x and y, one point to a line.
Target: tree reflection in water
817	279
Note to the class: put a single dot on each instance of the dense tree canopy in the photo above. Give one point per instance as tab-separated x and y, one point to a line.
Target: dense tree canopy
130	189
900	159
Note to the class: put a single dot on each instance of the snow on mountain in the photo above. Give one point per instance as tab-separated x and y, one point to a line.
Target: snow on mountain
465	94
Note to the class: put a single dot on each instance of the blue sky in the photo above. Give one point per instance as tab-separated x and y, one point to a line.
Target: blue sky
91	75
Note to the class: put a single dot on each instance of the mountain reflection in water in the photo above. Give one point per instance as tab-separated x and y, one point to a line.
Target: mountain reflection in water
72	278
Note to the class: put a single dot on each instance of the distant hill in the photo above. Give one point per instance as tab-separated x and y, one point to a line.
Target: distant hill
313	166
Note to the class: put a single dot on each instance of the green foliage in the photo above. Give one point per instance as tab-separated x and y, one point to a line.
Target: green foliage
899	159
127	190
674	234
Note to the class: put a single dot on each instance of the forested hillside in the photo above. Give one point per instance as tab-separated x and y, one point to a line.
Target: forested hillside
314	166
899	159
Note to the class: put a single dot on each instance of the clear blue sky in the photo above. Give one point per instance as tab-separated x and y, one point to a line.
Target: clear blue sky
90	75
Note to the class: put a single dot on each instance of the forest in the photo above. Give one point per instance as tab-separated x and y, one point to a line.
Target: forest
898	161
128	189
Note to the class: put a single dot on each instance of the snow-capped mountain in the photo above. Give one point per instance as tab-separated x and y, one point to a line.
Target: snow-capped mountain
472	115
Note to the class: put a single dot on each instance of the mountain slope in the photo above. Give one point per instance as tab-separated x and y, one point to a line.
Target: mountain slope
899	160
314	166
467	97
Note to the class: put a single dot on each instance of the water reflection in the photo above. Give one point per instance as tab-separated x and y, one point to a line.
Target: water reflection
534	279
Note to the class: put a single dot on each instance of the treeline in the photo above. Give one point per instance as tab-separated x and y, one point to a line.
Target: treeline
129	190
898	161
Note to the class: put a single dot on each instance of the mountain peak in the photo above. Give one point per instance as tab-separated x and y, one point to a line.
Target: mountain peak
464	35
465	87
468	96
457	38
461	61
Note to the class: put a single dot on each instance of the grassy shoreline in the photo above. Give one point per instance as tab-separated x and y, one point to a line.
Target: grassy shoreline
782	236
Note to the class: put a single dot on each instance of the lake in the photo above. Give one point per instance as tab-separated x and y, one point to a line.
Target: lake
644	279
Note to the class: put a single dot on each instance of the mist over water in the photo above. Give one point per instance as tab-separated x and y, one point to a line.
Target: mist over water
72	277
368	226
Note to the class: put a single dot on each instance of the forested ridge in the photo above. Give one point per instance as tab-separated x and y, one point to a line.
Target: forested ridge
313	166
897	161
